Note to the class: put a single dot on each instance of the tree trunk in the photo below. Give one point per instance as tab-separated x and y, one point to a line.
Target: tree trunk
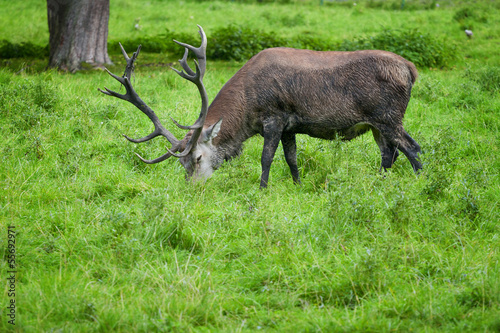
78	33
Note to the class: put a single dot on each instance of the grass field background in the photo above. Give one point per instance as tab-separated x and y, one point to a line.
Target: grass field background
107	244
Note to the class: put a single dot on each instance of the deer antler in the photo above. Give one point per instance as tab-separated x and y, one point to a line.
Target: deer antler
197	79
194	76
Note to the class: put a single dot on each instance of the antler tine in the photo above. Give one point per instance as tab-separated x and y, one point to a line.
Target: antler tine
132	97
185	65
199	52
129	69
159	159
195	126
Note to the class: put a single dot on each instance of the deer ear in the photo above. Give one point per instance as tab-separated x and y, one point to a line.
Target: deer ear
212	131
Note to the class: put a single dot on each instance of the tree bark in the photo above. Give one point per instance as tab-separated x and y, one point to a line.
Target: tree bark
78	32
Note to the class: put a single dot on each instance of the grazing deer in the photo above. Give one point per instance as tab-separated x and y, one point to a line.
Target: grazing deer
281	92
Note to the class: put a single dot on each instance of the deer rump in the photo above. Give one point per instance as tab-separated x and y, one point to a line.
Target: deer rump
281	92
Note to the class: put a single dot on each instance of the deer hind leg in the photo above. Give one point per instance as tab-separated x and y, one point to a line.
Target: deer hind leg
272	130
388	151
411	149
396	137
290	150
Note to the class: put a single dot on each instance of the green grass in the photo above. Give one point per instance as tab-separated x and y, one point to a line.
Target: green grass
108	244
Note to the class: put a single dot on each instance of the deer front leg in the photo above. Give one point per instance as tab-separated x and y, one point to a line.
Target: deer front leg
290	150
272	130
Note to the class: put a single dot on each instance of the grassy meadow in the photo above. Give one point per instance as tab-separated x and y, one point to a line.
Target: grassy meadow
105	243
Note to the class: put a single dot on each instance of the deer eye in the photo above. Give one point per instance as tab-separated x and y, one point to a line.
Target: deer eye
198	159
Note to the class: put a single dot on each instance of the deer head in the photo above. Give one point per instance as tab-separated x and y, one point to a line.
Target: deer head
196	150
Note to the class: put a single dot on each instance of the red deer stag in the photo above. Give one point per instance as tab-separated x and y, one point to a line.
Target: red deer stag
281	92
